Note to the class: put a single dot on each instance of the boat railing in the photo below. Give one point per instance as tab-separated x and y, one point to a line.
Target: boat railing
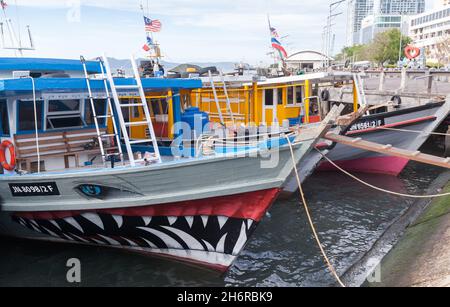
206	142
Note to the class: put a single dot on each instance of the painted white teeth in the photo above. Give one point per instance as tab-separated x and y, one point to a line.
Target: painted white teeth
222	221
94	218
118	219
209	246
221	245
190	220
169	241
249	224
205	220
56	224
241	241
147	220
74	223
172	220
190	241
110	240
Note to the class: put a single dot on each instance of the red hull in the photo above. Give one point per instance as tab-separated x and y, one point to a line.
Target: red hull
208	232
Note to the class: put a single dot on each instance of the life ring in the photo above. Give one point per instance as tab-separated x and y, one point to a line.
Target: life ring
397	101
412	52
12	164
325	95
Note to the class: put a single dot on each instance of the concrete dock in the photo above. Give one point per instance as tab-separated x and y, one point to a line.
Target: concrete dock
422	256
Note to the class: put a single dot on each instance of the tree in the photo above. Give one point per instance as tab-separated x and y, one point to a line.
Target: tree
354	53
443	51
385	47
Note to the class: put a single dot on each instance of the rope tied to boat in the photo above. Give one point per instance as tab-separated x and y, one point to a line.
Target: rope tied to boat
378	188
311	223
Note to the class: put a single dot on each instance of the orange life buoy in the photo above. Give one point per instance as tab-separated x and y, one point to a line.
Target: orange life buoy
12	164
412	52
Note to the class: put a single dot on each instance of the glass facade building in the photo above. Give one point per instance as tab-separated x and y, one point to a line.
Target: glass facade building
358	10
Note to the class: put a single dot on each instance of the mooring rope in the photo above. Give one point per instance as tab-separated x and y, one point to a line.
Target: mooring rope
378	188
311	223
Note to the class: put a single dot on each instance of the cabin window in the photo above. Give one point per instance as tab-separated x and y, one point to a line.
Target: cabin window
299	94
4	120
268	97
100	110
26	115
159	106
280	96
290	96
64	114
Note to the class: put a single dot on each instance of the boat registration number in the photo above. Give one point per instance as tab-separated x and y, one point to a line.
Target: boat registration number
367	124
32	189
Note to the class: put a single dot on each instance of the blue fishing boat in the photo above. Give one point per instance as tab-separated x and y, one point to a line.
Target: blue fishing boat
71	172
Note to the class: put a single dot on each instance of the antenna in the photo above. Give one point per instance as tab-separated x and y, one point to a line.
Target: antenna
15	43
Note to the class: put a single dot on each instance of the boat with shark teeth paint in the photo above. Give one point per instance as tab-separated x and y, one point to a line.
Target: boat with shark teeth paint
71	182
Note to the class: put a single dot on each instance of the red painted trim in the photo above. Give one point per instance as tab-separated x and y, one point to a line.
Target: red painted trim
403	123
252	205
373	165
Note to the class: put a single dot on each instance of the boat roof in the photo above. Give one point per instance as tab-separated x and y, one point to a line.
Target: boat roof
47	65
335	75
11	87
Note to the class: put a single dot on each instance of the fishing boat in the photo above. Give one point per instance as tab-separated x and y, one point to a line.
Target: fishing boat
70	172
307	98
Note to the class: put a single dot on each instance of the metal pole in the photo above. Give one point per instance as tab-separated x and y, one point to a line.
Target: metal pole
401	39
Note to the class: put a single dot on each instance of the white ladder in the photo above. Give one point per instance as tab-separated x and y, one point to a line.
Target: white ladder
216	98
125	125
359	85
225	91
109	115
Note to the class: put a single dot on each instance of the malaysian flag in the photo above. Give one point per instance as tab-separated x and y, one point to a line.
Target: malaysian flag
152	25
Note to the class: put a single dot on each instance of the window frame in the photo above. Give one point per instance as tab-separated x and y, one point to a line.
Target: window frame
8	125
17	103
49	116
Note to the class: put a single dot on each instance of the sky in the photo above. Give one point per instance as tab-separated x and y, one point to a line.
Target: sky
193	30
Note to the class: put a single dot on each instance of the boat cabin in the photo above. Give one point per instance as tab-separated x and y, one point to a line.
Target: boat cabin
45	105
285	100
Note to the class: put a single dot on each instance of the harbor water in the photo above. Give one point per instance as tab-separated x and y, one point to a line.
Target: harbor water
349	217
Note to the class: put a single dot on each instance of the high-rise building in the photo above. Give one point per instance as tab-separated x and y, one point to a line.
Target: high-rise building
358	10
431	31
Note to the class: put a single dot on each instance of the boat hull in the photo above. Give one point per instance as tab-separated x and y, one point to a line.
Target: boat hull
201	211
209	232
425	118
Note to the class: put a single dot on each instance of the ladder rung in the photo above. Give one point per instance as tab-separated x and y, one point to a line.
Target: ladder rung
107	135
104	116
132	105
111	148
132	124
127	87
140	141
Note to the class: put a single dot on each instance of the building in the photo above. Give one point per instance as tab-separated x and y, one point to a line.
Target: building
372	25
445	2
358	10
431	31
306	60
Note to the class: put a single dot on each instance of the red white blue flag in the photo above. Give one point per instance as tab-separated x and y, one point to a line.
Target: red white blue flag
152	25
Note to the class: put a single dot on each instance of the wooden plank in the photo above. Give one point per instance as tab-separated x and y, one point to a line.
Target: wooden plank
389	150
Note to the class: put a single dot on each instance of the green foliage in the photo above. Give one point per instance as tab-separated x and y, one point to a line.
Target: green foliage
383	50
385	47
